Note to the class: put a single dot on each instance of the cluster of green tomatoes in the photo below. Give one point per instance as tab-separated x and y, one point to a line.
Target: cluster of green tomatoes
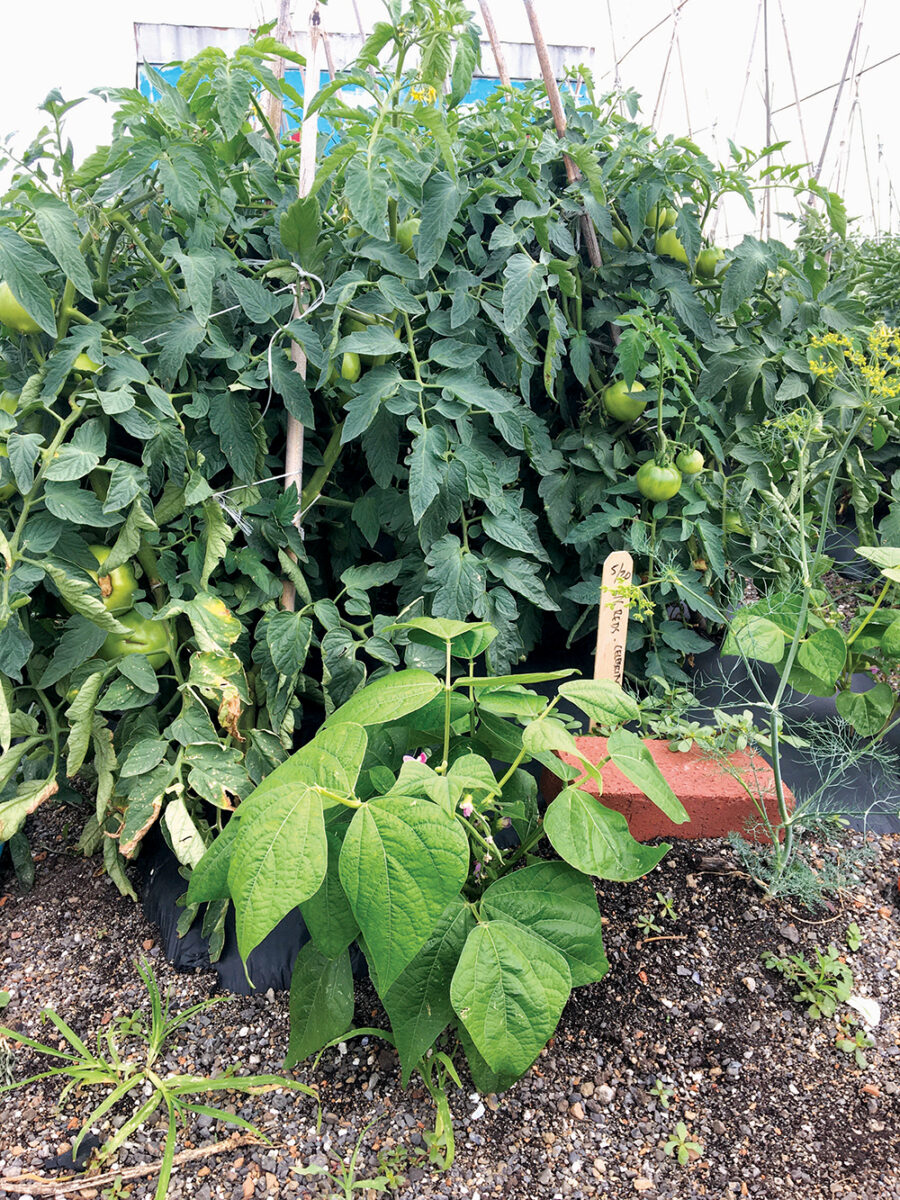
655	480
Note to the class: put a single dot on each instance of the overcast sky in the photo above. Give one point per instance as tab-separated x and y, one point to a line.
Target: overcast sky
708	80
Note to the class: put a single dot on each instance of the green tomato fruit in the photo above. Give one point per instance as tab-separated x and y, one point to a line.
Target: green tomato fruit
890	641
7	489
9	402
119	586
658	482
144	637
406	231
85	365
351	367
689	462
732	523
707	260
13	314
620	240
661	218
670	245
621	403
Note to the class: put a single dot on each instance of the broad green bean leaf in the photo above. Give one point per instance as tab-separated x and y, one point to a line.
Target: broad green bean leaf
823	655
403	861
389	698
751	636
479	682
321	1002
867	711
509	990
595	839
334	758
603	700
511	702
485	1080
546	736
467	639
418	1003
328	915
473	774
636	763
279	859
557	903
209	879
886	558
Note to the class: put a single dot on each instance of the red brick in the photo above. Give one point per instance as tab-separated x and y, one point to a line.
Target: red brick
714	798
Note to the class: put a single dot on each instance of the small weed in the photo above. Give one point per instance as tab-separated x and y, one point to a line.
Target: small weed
666	902
823	985
680	1145
646	924
662	1093
127	1073
853	936
854	1043
344	1176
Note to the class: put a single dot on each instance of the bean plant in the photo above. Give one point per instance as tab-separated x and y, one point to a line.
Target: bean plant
410	825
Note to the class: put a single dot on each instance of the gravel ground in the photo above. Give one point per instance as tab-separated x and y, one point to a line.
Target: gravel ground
776	1108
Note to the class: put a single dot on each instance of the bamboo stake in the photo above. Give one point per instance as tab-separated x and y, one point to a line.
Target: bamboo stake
491	30
62	1187
282	33
329	57
840	92
293	457
790	58
559	120
768	100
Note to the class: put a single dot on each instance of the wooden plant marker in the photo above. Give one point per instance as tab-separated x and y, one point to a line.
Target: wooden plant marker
612	619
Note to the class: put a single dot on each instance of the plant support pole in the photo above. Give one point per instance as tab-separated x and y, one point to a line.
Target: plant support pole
491	30
293	457
559	120
282	33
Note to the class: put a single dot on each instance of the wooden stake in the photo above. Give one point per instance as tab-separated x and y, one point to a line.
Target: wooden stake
275	106
293	457
837	100
559	120
612	618
491	30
